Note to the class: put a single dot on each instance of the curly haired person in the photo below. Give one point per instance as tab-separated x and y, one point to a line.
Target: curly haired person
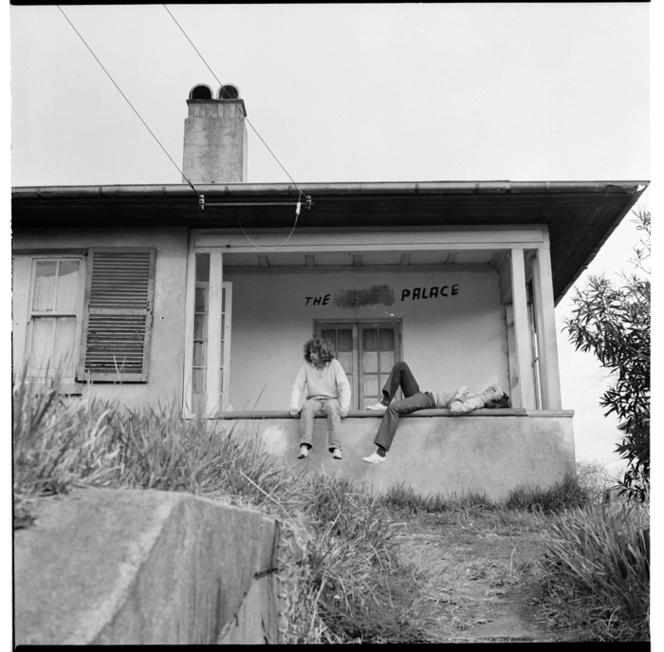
327	390
459	401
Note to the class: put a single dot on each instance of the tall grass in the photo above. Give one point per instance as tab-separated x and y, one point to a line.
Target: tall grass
343	589
597	569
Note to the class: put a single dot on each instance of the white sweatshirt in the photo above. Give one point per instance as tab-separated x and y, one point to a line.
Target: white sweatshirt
328	382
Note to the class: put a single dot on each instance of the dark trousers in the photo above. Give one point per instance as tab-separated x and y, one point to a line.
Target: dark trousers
400	377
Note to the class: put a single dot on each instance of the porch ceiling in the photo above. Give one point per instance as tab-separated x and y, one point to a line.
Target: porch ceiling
372	260
580	215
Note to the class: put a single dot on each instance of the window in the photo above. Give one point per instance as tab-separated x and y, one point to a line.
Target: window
367	351
118	320
54	317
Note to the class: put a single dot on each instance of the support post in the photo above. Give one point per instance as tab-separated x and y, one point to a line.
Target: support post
522	332
546	330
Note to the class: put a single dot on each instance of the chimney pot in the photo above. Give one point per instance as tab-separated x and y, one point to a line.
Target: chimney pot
215	136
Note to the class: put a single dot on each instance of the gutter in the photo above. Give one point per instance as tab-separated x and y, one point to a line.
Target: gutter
383	187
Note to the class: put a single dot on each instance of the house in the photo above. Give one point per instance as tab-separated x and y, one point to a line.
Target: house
202	293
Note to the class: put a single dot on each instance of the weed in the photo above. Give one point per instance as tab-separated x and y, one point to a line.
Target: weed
598	558
402	498
563	495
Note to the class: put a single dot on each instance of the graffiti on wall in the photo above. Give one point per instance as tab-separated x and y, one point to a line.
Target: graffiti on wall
380	295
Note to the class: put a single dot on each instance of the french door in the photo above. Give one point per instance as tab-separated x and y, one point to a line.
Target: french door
367	350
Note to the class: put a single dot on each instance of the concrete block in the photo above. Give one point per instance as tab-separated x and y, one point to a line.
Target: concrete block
136	567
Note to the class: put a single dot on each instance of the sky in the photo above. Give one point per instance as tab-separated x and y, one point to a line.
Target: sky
355	92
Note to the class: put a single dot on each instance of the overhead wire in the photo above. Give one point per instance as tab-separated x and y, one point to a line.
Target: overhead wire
246	118
127	100
191	185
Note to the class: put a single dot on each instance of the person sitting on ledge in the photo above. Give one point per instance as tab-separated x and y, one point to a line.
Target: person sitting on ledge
328	390
459	401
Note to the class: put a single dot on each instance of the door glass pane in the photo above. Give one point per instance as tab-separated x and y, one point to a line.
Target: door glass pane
67	286
198	381
200	322
371	386
199	354
45	280
370	339
369	362
345	339
386	360
386	338
201	300
202	268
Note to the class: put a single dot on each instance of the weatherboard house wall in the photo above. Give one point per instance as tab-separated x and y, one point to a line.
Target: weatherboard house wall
200	295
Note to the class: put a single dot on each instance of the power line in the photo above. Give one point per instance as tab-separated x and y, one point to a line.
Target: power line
127	100
221	85
191	185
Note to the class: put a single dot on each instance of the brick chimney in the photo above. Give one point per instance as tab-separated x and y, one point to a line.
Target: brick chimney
215	136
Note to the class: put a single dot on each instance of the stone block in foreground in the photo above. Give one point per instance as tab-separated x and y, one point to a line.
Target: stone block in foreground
144	567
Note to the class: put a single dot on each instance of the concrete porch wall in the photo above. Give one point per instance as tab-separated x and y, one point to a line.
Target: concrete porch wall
489	451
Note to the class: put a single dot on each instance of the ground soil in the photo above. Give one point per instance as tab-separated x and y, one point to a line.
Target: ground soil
478	575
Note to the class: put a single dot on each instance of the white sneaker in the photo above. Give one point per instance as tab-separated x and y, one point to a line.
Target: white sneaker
379	407
304	452
374	458
336	453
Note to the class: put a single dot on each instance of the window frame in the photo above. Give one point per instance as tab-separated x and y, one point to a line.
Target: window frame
67	382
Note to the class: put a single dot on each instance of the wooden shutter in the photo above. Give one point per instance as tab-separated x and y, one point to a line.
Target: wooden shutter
118	318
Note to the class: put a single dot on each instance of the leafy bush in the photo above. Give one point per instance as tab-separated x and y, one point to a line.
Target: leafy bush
614	323
597	569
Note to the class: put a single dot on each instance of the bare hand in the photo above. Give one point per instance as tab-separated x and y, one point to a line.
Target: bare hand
344	412
294	412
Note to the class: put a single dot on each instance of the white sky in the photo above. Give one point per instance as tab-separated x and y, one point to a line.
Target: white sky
365	92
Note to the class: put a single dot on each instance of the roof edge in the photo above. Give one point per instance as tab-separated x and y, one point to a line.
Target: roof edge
434	187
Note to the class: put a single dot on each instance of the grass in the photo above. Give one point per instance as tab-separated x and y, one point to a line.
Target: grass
596	571
351	586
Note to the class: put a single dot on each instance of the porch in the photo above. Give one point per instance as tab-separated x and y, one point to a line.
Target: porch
489	452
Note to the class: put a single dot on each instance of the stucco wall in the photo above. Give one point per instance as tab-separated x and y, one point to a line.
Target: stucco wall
167	347
433	454
453	340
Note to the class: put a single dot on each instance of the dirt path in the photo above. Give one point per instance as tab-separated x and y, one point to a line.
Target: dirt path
473	568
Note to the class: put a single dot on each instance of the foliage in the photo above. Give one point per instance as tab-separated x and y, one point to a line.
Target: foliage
597	569
563	495
613	321
400	497
348	586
